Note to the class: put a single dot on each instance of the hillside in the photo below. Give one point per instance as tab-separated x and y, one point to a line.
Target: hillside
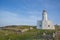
23	32
57	31
16	28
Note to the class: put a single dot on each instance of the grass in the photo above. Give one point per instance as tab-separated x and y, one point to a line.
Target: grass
29	35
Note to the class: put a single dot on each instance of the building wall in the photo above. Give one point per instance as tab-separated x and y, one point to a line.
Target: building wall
45	25
39	24
50	25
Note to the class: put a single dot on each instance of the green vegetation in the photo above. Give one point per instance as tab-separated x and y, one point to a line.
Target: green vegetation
28	35
57	29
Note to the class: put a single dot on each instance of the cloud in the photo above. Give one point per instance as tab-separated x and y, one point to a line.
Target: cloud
10	18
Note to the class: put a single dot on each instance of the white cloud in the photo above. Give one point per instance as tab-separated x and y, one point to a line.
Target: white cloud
10	18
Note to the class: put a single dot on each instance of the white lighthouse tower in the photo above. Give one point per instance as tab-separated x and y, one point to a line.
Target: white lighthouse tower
44	15
44	20
45	23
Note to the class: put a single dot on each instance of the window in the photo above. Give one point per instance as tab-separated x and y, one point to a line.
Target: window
40	25
48	25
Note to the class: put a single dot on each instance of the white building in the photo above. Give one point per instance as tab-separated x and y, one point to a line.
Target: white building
45	23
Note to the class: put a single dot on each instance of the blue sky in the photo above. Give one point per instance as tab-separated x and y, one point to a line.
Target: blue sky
27	12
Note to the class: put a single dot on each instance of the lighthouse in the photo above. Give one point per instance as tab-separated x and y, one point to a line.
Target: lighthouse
44	15
45	23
